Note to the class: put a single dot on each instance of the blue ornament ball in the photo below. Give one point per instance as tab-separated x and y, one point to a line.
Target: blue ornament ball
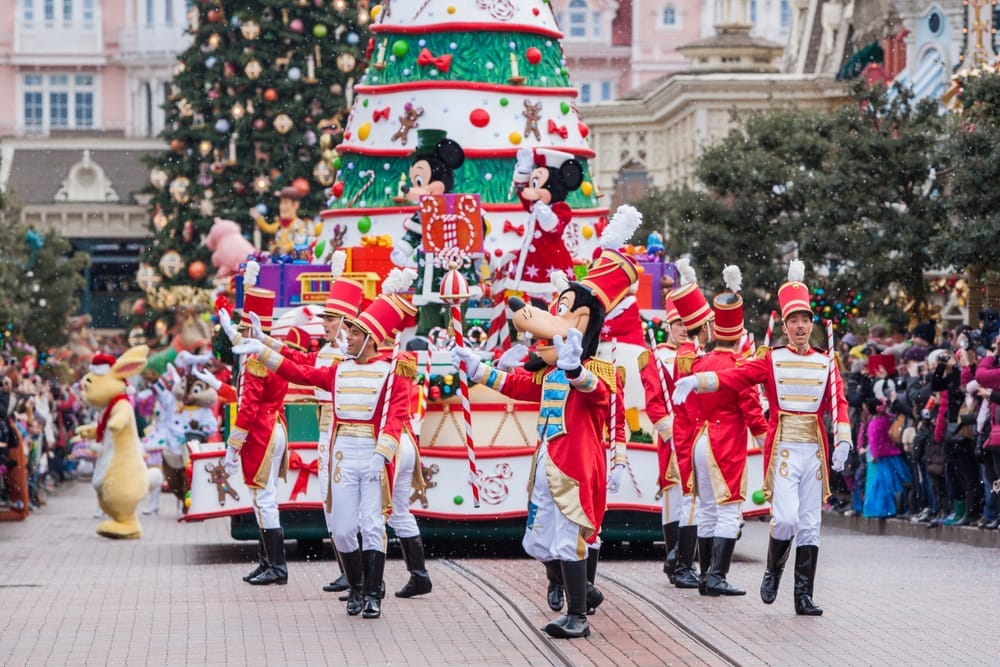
353	38
222	126
262	209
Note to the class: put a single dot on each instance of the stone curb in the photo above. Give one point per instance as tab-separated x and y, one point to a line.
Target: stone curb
969	535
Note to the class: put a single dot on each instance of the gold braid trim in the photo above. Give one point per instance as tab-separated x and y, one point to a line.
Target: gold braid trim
603	370
643	359
539	376
683	363
761	351
406	368
254	367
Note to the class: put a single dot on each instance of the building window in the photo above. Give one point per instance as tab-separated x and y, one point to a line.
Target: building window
64	12
581	24
150	18
605	91
786	14
669	16
578	18
50	10
59	101
169	15
753	11
585	93
29	11
88	13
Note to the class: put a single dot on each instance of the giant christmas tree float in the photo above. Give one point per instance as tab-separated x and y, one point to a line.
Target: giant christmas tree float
489	76
255	110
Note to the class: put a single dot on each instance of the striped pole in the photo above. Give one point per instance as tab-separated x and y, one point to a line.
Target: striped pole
388	388
770	329
833	375
613	421
463	375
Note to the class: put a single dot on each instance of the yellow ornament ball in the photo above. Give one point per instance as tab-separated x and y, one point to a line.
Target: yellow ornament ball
515	138
187	503
587	188
376	10
449	380
364	131
588	231
451	9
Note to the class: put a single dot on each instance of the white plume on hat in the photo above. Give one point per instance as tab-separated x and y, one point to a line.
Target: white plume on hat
732	277
302	316
338	262
796	271
559	280
398	280
250	273
621	227
685	272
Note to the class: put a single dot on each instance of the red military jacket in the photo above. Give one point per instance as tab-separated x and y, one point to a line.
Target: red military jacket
725	416
658	383
683	417
573	418
261	406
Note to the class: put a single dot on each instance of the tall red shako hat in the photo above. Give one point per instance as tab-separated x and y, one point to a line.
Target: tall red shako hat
728	306
389	309
688	299
672	314
345	295
612	273
793	296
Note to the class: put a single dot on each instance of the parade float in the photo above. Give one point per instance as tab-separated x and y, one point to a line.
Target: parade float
433	173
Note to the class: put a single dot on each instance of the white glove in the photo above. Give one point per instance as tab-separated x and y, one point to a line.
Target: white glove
839	458
473	367
376	467
525	161
401	257
256	332
341	343
547	220
615	480
206	377
232	460
226	323
172	374
248	346
568	352
683	387
512	358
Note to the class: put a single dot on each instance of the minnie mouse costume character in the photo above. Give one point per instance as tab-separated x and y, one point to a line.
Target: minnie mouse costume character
543	179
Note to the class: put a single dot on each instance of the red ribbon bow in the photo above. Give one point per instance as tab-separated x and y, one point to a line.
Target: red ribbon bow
380	113
558	129
443	63
305	470
510	227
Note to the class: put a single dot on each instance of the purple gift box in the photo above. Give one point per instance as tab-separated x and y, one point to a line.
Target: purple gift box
282	279
656	270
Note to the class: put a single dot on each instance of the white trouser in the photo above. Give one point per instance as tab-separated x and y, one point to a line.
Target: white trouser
797	492
673	504
265	501
689	509
402	520
357	502
714	520
323	462
549	535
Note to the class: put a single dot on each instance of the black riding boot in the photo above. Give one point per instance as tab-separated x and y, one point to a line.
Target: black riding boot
413	554
277	573
594	596
574	622
374	566
555	593
777	556
805	575
684	575
670	537
704	562
261	556
722	557
354	571
340	583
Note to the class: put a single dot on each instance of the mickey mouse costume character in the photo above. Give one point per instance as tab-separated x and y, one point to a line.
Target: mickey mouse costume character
543	179
802	386
568	489
432	172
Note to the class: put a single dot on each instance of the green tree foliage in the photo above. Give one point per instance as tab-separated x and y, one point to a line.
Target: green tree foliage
40	280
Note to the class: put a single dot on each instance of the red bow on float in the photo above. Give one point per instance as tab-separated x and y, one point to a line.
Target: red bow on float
510	227
558	129
443	63
380	113
305	470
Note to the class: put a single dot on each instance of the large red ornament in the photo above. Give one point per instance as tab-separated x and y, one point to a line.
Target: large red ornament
479	117
259	124
212	15
197	270
337	189
271	95
584	130
301	185
533	55
176	145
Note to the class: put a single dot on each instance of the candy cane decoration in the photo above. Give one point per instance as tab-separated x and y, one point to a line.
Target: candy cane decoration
371	179
770	328
613	421
833	371
463	375
663	387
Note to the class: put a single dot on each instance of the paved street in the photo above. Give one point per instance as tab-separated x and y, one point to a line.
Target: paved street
175	598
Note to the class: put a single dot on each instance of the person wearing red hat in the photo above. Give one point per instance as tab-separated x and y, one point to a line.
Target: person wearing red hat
719	456
258	438
803	387
371	397
341	302
568	490
657	371
698	320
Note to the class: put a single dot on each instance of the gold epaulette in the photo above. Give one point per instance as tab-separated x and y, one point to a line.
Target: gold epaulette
604	370
256	368
643	359
406	367
761	351
683	363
